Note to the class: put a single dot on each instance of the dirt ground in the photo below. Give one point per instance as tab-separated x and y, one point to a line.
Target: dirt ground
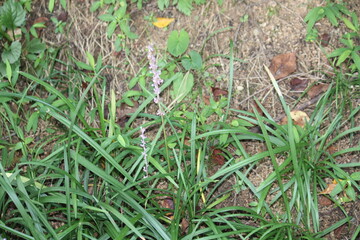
272	28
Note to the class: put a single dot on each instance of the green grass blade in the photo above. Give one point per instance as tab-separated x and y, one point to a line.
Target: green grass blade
120	189
89	140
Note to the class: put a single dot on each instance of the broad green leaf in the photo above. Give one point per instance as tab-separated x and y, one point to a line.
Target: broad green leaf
244	18
349	24
95	6
132	93
343	9
343	57
32	122
32	57
99	63
128	101
223	138
185	6
33	32
58	103
15	73
121	140
13	53
133	82
331	16
186	63
178	42
347	41
63	3
35	46
110	29
355	20
4	85
172	145
118	44
196	60
336	52
120	13
124	25
162	4
182	87
350	192
51	5
39	25
12	15
107	17
28	140
312	35
314	15
355	176
338	188
201	2
8	70
356	58
83	65
91	60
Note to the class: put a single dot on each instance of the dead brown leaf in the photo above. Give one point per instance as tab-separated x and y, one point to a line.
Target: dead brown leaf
44	20
184	225
63	16
206	100
217	157
325	39
283	65
218	92
298	85
168	203
299	117
187	142
324	201
332	149
329	188
317	89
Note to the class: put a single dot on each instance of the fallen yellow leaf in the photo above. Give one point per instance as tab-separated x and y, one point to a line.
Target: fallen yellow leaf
329	188
299	117
163	22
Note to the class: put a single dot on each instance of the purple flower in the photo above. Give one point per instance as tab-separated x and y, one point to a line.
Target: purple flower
157	81
160	113
144	152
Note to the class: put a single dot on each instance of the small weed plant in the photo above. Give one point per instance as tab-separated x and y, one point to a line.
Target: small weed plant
119	21
337	13
12	27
